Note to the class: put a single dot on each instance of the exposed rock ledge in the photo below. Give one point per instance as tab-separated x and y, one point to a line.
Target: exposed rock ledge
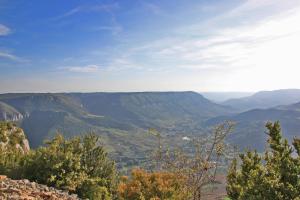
26	190
12	136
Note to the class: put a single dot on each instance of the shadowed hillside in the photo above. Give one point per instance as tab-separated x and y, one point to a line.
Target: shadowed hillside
265	99
250	131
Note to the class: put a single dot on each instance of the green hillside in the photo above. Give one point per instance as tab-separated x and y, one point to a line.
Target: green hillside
27	103
47	114
250	132
152	109
122	119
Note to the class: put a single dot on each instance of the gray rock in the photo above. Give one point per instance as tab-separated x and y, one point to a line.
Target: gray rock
24	189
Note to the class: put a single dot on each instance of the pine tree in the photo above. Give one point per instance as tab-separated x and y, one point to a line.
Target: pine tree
276	175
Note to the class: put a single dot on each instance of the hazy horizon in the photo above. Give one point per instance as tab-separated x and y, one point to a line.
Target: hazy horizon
134	91
141	91
120	46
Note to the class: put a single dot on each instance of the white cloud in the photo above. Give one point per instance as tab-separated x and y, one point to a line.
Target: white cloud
254	5
233	57
225	53
11	57
227	46
8	56
4	30
82	69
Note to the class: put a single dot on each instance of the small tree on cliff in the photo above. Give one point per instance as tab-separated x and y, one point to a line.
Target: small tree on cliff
276	175
144	185
200	165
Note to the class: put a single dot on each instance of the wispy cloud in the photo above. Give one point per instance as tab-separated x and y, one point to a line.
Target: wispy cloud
88	8
247	12
12	57
113	25
70	12
4	30
8	56
232	47
256	5
153	8
108	28
115	28
82	69
235	52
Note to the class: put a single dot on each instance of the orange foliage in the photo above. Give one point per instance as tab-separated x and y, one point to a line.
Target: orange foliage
144	185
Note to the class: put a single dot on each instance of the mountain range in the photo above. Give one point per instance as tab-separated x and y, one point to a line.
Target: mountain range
220	97
250	125
123	119
265	99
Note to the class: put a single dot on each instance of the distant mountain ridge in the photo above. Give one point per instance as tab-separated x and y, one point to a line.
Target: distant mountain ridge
122	119
265	99
142	109
219	97
250	125
151	106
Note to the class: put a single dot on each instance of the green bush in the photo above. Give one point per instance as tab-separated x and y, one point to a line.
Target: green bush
10	155
92	190
77	165
10	162
276	175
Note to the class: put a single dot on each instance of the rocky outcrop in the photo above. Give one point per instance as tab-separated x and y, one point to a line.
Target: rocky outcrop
5	116
8	113
12	137
26	190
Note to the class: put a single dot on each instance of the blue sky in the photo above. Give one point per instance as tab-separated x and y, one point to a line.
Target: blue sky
158	45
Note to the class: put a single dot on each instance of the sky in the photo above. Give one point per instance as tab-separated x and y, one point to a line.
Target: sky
149	45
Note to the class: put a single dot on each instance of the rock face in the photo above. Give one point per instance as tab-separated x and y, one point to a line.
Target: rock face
11	116
26	190
12	136
8	113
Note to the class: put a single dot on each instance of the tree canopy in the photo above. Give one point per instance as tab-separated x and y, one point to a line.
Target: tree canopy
79	165
274	175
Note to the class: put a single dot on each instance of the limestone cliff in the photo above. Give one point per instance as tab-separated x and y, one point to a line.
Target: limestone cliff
12	136
8	113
